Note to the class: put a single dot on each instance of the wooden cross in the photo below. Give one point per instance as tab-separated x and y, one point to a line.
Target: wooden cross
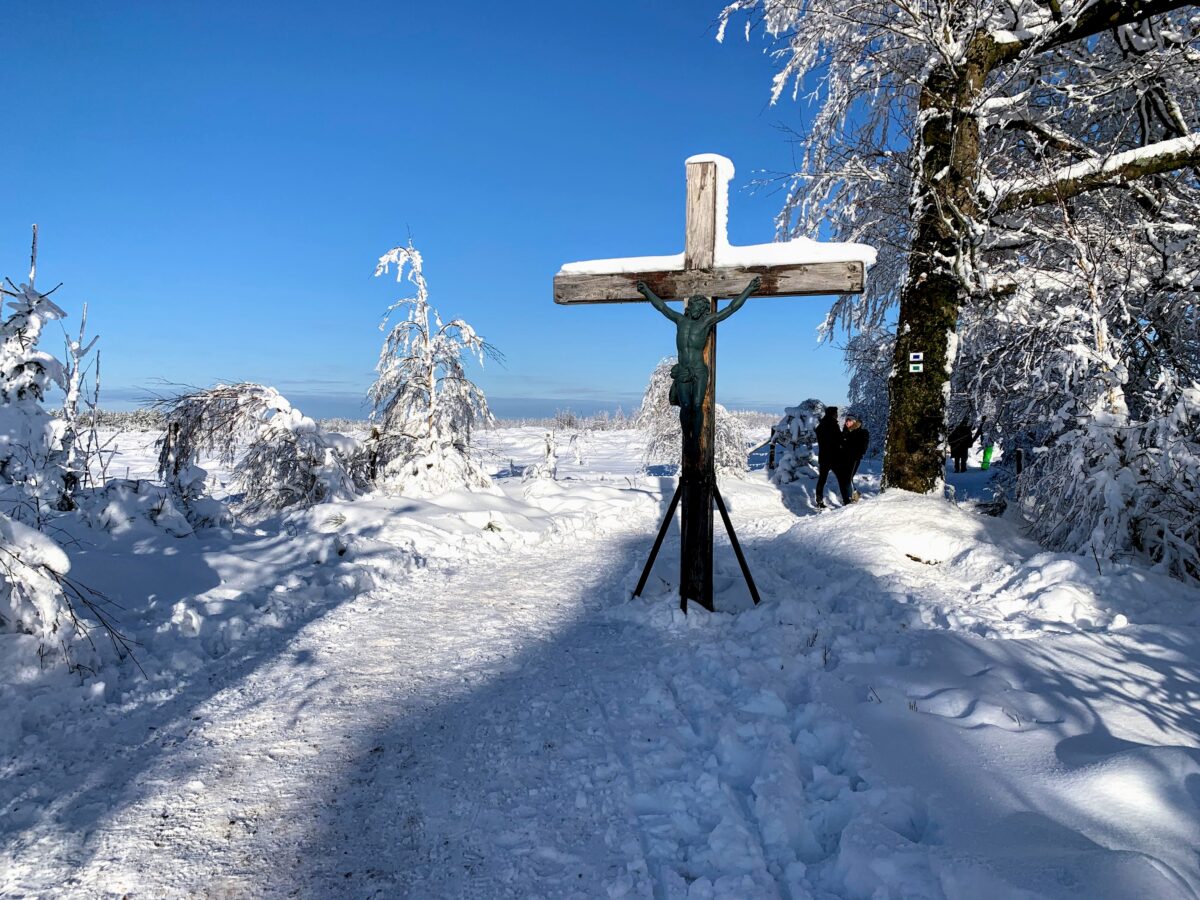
702	273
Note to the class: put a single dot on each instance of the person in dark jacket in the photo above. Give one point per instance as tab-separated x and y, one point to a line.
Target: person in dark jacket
829	450
855	439
960	442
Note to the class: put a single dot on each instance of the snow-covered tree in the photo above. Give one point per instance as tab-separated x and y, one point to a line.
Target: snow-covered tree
659	421
288	460
39	478
78	441
869	362
983	147
1116	489
425	406
30	462
795	442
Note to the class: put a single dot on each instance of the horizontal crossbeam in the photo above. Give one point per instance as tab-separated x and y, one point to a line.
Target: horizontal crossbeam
777	281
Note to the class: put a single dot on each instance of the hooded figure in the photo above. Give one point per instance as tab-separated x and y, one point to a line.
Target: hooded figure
855	440
960	442
829	450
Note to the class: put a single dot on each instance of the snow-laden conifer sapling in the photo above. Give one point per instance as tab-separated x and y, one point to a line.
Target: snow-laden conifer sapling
425	406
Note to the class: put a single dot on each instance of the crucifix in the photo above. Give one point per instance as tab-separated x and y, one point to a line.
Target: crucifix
707	269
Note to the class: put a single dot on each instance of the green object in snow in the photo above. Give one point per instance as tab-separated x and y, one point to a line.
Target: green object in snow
987	456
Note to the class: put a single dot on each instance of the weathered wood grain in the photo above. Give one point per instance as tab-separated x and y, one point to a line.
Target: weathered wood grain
696	475
778	281
700	219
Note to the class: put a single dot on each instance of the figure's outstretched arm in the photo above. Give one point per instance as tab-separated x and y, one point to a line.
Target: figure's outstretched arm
658	302
738	301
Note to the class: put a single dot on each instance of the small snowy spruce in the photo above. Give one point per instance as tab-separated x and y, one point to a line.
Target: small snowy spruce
31	469
425	406
36	597
659	421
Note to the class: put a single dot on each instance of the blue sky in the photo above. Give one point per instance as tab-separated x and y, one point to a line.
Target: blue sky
217	182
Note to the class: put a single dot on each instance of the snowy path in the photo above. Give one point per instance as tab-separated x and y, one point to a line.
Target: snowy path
925	706
439	737
501	728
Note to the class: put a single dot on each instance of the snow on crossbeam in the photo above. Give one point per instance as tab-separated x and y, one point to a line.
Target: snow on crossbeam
710	265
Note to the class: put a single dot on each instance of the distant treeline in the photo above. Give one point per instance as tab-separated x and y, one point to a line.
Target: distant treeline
562	420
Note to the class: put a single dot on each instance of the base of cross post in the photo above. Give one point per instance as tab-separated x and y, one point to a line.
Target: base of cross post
737	547
705	588
696	539
662	533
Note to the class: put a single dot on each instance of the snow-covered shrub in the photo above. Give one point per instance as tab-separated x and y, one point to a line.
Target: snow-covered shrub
293	462
125	505
288	460
659	421
795	441
1081	378
1110	488
1168	521
548	467
424	404
577	444
1081	493
35	599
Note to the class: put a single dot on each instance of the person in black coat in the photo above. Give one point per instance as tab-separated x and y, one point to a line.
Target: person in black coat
960	442
829	450
855	439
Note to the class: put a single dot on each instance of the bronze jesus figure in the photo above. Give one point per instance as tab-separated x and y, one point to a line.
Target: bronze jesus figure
690	375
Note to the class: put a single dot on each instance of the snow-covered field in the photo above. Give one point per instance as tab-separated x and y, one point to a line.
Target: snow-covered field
457	698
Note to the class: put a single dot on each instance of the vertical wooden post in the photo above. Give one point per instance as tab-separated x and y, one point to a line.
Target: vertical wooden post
697	475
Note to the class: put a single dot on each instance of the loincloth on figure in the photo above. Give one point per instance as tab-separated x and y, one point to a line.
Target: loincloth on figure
680	375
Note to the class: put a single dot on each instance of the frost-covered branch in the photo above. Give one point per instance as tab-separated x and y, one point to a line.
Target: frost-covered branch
1073	180
1074	21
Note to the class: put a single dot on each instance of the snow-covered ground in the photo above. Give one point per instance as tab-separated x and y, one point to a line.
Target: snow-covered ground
457	698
